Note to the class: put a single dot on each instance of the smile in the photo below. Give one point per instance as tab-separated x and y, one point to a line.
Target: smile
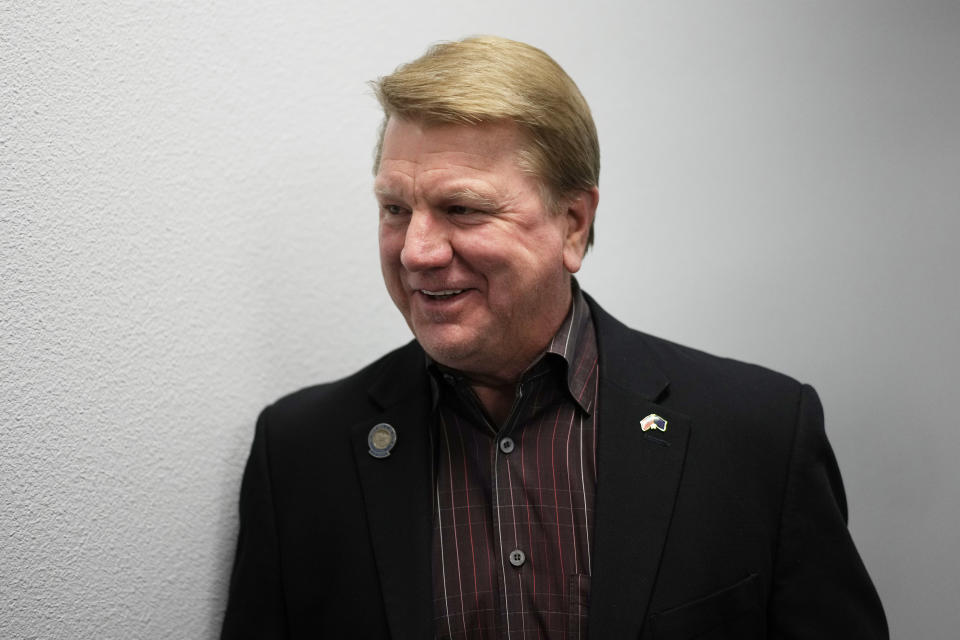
440	295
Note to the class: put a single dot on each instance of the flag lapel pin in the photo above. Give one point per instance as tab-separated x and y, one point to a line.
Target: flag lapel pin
653	421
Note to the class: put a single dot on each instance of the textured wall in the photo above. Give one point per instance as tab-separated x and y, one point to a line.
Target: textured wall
186	232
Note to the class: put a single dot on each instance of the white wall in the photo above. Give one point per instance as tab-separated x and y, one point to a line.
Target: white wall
186	232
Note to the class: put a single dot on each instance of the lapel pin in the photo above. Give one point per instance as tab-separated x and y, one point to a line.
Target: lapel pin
381	440
653	421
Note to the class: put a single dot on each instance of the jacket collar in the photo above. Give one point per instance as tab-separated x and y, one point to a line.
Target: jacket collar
402	374
626	359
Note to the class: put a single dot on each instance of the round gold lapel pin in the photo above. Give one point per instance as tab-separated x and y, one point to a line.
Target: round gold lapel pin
381	440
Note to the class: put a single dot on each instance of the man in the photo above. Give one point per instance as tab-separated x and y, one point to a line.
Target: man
528	466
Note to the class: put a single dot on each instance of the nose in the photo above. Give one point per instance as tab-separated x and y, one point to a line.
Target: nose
427	242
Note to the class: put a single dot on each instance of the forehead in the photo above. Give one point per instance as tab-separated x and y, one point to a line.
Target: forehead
427	152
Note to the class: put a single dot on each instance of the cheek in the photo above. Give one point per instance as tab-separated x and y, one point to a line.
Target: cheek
518	273
391	244
392	278
390	261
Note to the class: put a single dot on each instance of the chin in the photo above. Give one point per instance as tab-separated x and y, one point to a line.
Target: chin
452	351
449	354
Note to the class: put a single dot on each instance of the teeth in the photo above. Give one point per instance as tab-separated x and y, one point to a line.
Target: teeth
445	293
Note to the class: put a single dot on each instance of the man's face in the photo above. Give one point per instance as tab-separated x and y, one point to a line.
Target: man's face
473	259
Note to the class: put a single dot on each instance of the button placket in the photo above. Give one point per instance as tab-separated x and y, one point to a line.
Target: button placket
505	460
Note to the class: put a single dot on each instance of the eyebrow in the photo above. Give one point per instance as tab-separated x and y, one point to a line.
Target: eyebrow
471	196
464	194
385	192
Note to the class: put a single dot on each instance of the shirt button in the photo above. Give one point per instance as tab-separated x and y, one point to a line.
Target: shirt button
517	557
506	445
449	379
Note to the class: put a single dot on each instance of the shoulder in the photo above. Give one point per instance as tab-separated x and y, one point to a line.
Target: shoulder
626	349
717	375
721	394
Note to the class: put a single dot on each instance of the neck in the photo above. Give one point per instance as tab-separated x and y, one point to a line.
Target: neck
497	400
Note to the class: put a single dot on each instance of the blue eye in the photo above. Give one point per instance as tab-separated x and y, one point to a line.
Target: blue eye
457	209
394	209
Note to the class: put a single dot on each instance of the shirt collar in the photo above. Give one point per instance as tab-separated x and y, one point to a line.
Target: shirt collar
575	342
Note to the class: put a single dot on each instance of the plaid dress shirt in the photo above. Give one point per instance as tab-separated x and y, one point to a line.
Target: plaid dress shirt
513	516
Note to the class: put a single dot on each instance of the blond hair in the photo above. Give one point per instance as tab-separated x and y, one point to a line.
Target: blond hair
488	79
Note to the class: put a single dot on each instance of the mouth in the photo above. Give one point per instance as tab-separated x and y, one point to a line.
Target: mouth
443	294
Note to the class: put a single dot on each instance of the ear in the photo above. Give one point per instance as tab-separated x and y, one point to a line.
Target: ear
579	210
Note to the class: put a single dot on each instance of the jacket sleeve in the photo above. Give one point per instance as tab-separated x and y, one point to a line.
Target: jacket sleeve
255	608
820	587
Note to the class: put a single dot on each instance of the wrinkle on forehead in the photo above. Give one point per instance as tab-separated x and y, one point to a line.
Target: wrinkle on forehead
494	135
490	142
444	163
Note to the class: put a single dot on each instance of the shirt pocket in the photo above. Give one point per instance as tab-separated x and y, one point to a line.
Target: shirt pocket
734	612
578	605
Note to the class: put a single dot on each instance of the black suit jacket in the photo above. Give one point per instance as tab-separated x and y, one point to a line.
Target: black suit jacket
729	524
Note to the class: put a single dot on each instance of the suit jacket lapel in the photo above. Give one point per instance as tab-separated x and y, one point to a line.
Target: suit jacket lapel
638	475
398	492
638	479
